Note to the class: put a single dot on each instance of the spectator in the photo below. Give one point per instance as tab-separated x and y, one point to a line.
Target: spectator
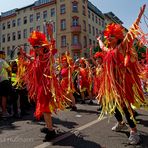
5	85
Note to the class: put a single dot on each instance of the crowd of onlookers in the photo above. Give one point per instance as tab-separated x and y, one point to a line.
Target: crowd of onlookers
13	101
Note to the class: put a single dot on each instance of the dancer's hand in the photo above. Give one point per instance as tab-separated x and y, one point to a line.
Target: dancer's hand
142	9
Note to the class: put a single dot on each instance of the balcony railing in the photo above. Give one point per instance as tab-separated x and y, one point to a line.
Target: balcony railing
76	46
76	28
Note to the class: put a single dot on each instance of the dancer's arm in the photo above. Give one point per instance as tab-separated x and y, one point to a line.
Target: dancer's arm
133	32
101	44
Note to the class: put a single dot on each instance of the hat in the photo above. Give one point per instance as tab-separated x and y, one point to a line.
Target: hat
114	30
38	39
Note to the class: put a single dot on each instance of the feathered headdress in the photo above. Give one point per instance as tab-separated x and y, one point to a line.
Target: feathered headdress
38	39
67	58
114	30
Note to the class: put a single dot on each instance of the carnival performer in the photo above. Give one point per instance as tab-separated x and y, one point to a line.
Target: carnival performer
120	85
41	81
66	79
97	59
75	80
85	80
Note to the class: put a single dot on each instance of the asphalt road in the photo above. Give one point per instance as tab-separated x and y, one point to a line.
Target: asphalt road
80	129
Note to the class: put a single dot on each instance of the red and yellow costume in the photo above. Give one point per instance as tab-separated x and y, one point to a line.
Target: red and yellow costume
66	75
85	78
98	73
120	85
40	77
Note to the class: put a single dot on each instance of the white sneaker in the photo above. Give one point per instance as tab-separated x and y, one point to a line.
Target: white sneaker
118	127
134	138
5	115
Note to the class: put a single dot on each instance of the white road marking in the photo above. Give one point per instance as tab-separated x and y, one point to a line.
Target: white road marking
68	134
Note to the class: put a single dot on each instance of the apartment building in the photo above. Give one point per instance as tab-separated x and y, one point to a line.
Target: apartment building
76	25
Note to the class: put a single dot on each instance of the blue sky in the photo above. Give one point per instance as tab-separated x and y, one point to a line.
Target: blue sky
126	10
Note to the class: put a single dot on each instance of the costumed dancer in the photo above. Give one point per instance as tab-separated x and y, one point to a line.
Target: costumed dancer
41	80
66	79
75	80
120	85
85	80
97	59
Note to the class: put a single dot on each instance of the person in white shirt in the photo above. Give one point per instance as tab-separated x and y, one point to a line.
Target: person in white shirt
5	86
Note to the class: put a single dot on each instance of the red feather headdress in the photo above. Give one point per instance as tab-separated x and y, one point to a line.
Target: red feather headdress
114	30
38	39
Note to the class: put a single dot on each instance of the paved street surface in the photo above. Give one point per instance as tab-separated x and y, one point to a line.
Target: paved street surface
80	129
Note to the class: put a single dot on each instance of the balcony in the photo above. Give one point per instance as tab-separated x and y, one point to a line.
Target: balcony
76	46
76	28
73	1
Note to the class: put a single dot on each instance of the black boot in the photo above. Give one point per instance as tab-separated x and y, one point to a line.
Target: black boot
50	135
73	108
44	130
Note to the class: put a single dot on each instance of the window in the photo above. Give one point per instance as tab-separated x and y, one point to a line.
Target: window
83	10
13	47
90	42
25	20
84	25
38	16
93	17
96	19
44	14
102	23
63	24
94	43
13	23
54	27
75	7
38	28
63	9
13	36
8	37
75	39
88	14
25	47
75	21
19	22
3	26
31	18
89	26
93	28
25	33
100	32
8	51
52	12
63	41
19	35
8	24
97	33
85	42
99	21
3	38
31	29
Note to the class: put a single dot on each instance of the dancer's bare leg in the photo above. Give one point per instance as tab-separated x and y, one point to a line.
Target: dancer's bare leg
48	120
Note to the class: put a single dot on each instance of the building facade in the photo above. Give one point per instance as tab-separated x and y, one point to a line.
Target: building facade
76	25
